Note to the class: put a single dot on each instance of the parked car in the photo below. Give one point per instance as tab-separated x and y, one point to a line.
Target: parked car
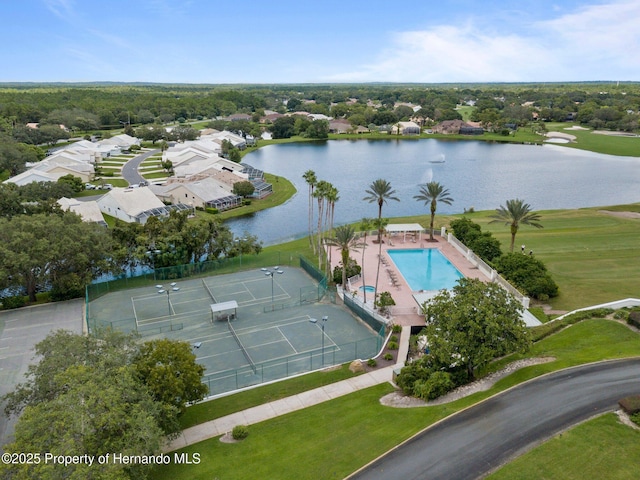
89	186
107	186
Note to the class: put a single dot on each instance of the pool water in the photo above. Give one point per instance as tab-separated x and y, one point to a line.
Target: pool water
425	268
368	288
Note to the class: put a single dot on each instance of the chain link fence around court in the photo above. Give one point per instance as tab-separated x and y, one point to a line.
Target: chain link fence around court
138	279
255	373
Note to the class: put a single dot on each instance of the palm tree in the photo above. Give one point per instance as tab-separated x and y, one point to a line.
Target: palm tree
379	191
515	213
365	226
311	179
320	194
432	193
331	197
345	239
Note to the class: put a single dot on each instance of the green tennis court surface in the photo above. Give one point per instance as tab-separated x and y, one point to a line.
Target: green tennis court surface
266	335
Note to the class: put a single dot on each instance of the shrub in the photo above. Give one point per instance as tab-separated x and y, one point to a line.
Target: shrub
383	301
631	404
634	319
465	230
635	418
396	328
246	201
388	356
352	269
528	274
392	345
372	362
213	211
621	315
435	386
486	246
16	301
412	373
483	244
393	338
240	432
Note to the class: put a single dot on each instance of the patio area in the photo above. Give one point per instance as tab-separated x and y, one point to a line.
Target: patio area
406	310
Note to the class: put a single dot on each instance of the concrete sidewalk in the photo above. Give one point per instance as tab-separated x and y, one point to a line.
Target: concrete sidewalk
267	411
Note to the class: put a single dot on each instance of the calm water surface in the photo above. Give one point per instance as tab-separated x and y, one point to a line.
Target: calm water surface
478	174
425	269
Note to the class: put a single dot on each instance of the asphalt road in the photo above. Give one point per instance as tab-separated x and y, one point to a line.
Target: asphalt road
476	441
130	169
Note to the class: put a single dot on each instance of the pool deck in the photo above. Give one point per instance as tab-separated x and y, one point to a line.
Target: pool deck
406	310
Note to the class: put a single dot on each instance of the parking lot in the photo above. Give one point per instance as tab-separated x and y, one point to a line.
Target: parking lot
20	331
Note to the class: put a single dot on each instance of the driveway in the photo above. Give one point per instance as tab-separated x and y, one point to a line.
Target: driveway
20	330
472	443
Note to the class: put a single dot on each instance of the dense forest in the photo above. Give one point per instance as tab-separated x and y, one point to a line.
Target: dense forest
92	106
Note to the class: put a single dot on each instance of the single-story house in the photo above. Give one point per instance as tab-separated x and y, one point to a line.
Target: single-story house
239	116
52	168
406	128
133	204
123	141
89	211
202	193
458	127
340	126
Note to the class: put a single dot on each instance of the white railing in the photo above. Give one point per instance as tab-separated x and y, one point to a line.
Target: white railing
627	302
352	280
485	269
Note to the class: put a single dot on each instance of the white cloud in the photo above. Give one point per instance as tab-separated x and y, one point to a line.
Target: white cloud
61	8
596	42
602	37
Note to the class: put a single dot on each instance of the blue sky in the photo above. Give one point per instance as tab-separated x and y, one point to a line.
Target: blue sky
283	41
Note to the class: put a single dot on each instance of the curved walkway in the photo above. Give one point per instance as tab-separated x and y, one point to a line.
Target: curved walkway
270	410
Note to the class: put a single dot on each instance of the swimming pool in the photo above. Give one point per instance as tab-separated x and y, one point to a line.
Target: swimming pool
368	288
425	268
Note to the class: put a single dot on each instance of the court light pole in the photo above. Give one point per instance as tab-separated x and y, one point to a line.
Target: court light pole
324	320
162	289
271	273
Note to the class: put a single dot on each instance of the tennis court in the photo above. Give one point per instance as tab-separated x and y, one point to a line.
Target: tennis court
246	327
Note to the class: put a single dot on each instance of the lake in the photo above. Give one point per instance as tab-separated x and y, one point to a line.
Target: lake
478	174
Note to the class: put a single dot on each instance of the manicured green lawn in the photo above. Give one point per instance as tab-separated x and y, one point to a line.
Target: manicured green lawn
600	448
593	142
335	438
257	396
283	190
593	257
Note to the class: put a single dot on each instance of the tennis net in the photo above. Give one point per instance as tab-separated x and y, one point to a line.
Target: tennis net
244	350
206	287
